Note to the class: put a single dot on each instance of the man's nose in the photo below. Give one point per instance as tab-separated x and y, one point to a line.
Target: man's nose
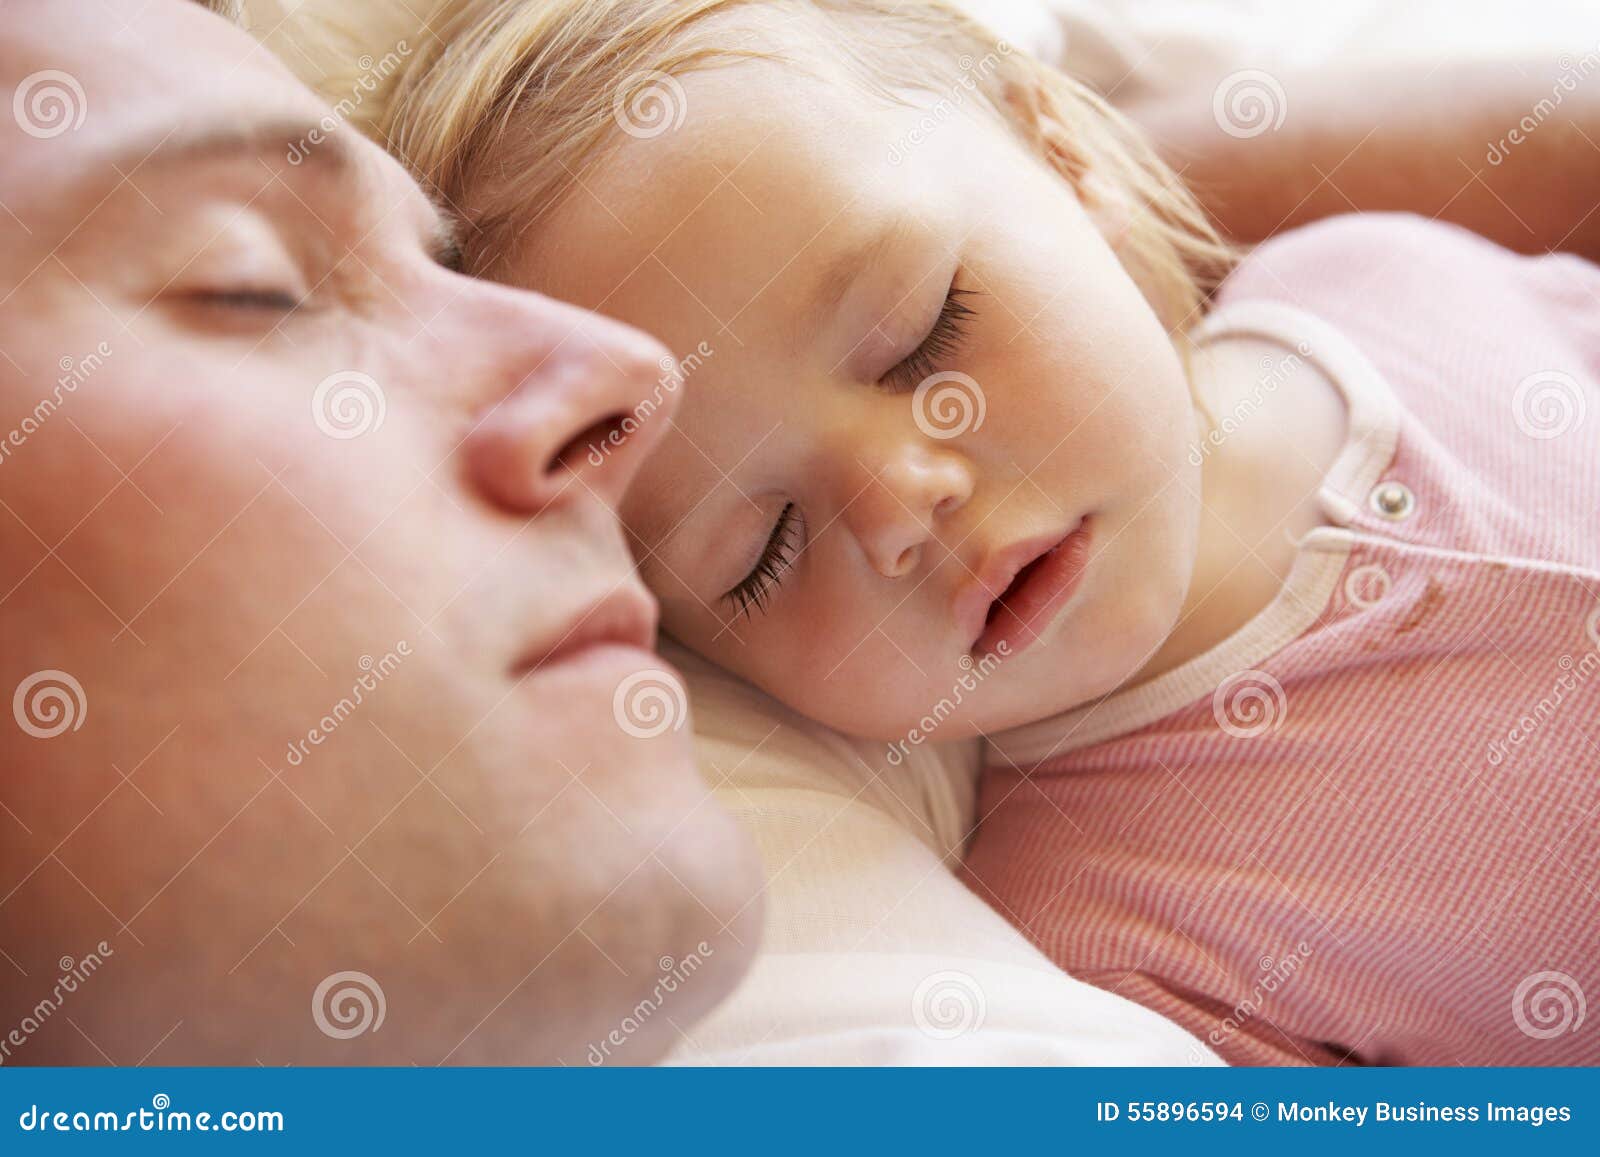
579	400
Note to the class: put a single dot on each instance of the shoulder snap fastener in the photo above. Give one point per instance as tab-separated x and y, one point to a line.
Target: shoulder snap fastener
1392	500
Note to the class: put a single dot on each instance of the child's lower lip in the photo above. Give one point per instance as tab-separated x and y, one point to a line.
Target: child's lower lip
1029	608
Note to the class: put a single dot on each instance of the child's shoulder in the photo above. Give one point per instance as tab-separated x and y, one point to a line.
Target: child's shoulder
1436	296
1375	257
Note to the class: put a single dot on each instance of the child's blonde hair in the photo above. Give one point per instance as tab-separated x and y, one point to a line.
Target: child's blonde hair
512	98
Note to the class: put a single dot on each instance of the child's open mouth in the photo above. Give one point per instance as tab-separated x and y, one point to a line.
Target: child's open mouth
1037	592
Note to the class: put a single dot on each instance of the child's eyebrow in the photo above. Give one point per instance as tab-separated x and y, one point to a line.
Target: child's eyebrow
842	270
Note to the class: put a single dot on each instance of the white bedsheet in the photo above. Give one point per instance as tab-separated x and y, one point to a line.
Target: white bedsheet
873	952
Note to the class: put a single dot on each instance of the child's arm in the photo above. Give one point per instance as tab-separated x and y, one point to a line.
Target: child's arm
1507	150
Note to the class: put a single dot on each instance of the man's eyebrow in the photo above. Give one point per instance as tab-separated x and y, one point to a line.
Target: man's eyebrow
296	141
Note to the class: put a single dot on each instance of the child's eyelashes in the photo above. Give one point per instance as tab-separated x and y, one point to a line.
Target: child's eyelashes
942	341
752	592
755	591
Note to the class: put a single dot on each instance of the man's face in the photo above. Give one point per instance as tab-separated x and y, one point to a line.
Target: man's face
325	648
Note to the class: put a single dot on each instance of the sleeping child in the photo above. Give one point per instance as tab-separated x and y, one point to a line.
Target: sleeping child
1271	581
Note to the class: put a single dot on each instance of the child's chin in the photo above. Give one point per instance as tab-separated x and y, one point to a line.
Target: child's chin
1107	641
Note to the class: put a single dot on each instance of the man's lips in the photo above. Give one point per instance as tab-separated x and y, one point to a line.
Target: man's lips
1021	587
624	617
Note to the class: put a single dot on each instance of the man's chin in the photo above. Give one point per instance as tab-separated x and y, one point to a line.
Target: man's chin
677	882
685	945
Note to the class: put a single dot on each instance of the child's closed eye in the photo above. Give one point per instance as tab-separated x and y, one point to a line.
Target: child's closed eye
942	340
752	592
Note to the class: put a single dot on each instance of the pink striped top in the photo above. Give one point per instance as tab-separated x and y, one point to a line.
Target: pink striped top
1366	828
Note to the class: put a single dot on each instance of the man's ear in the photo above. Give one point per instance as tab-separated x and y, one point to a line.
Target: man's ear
1038	116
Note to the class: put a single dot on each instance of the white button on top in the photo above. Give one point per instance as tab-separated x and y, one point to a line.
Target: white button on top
1392	500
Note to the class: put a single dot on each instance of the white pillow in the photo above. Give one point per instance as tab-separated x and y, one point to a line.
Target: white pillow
873	952
1131	50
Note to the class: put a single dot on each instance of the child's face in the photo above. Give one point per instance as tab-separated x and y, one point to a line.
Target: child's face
809	236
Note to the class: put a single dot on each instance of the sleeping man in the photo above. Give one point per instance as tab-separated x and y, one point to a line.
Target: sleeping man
321	643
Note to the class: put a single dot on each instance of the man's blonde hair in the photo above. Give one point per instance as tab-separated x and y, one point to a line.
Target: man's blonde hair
512	98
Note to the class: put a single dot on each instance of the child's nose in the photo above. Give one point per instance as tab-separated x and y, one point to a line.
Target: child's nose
903	500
